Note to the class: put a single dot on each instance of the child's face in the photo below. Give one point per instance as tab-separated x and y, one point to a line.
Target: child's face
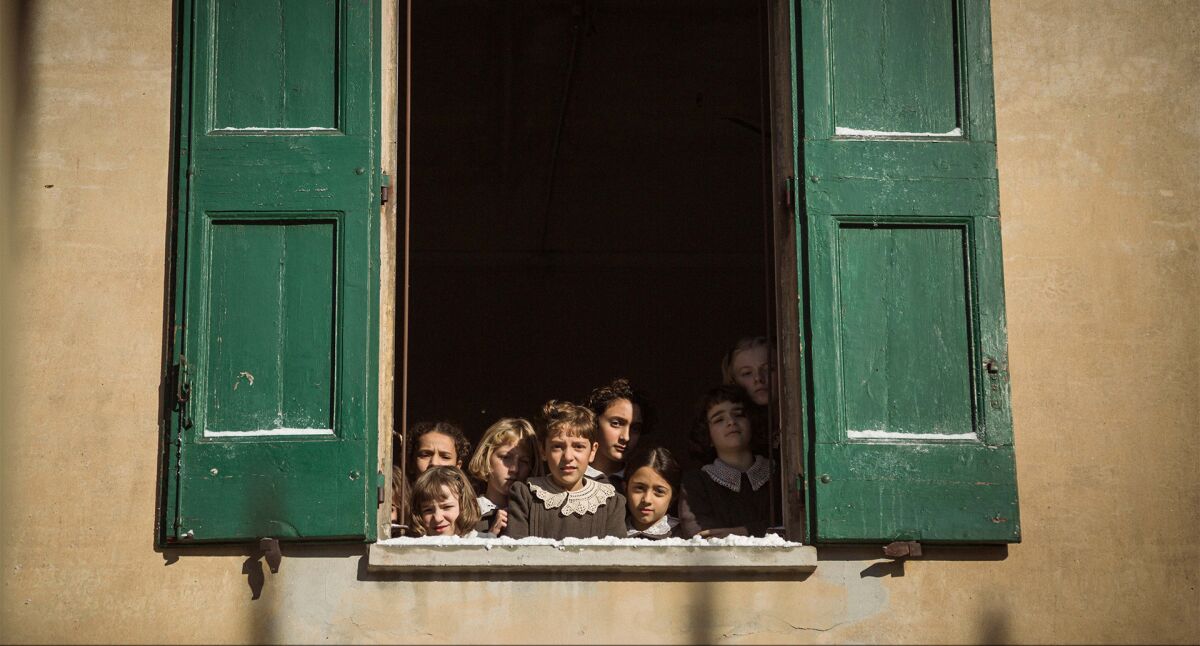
439	515
648	496
435	450
509	463
620	425
751	371
728	427
567	456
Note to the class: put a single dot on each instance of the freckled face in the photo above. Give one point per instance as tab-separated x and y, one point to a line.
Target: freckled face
567	456
751	371
435	450
439	515
648	495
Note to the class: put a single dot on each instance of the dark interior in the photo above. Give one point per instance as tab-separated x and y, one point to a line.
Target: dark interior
586	203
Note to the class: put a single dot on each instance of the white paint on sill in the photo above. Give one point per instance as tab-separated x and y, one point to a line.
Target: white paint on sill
894	435
270	432
855	132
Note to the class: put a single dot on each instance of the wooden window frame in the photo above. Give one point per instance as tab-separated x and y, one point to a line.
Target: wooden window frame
785	324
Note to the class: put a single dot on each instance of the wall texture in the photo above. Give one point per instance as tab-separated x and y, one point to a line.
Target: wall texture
1099	161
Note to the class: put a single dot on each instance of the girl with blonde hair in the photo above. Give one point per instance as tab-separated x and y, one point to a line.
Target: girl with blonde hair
506	454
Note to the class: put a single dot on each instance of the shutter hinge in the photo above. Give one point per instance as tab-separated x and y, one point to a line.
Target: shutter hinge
385	189
789	192
183	391
902	549
271	553
379	482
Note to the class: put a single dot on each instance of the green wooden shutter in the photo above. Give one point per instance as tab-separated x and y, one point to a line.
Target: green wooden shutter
277	257
910	397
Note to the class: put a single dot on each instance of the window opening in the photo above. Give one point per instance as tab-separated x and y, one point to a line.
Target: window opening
588	201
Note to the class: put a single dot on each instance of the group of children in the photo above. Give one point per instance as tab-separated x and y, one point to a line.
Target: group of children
579	473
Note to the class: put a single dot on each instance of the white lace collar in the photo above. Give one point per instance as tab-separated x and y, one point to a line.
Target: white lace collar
661	528
731	478
585	500
593	473
486	506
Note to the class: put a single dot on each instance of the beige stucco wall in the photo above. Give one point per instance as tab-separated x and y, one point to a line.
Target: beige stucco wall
1099	127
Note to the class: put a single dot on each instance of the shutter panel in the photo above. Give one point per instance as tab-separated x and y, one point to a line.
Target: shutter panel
912	429
276	262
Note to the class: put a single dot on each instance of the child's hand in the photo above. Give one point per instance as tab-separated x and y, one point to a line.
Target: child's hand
499	522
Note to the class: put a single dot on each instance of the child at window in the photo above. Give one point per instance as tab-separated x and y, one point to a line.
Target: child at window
443	503
653	479
505	456
748	365
564	503
618	412
732	494
436	444
429	444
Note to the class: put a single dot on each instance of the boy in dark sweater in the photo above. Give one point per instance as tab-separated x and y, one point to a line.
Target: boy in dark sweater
732	494
564	504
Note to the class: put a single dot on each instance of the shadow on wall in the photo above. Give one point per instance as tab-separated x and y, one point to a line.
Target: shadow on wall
993	626
700	614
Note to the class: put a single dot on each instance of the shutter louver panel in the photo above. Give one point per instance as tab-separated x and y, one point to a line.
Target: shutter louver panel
912	430
277	257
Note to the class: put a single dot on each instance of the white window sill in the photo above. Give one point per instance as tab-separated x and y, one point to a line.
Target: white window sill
625	556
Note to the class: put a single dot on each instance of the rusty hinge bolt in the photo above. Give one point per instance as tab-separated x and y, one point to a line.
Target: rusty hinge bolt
270	549
902	549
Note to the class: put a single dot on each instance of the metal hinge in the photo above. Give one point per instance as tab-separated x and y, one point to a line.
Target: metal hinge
385	189
183	391
902	549
271	553
789	192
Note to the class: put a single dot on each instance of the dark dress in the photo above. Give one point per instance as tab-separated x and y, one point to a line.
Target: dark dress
719	496
541	508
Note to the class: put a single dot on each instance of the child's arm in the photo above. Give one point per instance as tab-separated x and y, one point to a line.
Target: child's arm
499	522
696	511
722	532
518	511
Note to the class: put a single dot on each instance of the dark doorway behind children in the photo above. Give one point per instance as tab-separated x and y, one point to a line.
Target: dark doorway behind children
586	203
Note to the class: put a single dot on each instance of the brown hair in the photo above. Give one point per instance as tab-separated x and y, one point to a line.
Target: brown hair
744	343
462	446
564	417
602	397
429	487
701	440
505	431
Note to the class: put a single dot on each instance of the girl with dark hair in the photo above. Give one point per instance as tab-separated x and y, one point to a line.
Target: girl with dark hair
653	480
731	494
